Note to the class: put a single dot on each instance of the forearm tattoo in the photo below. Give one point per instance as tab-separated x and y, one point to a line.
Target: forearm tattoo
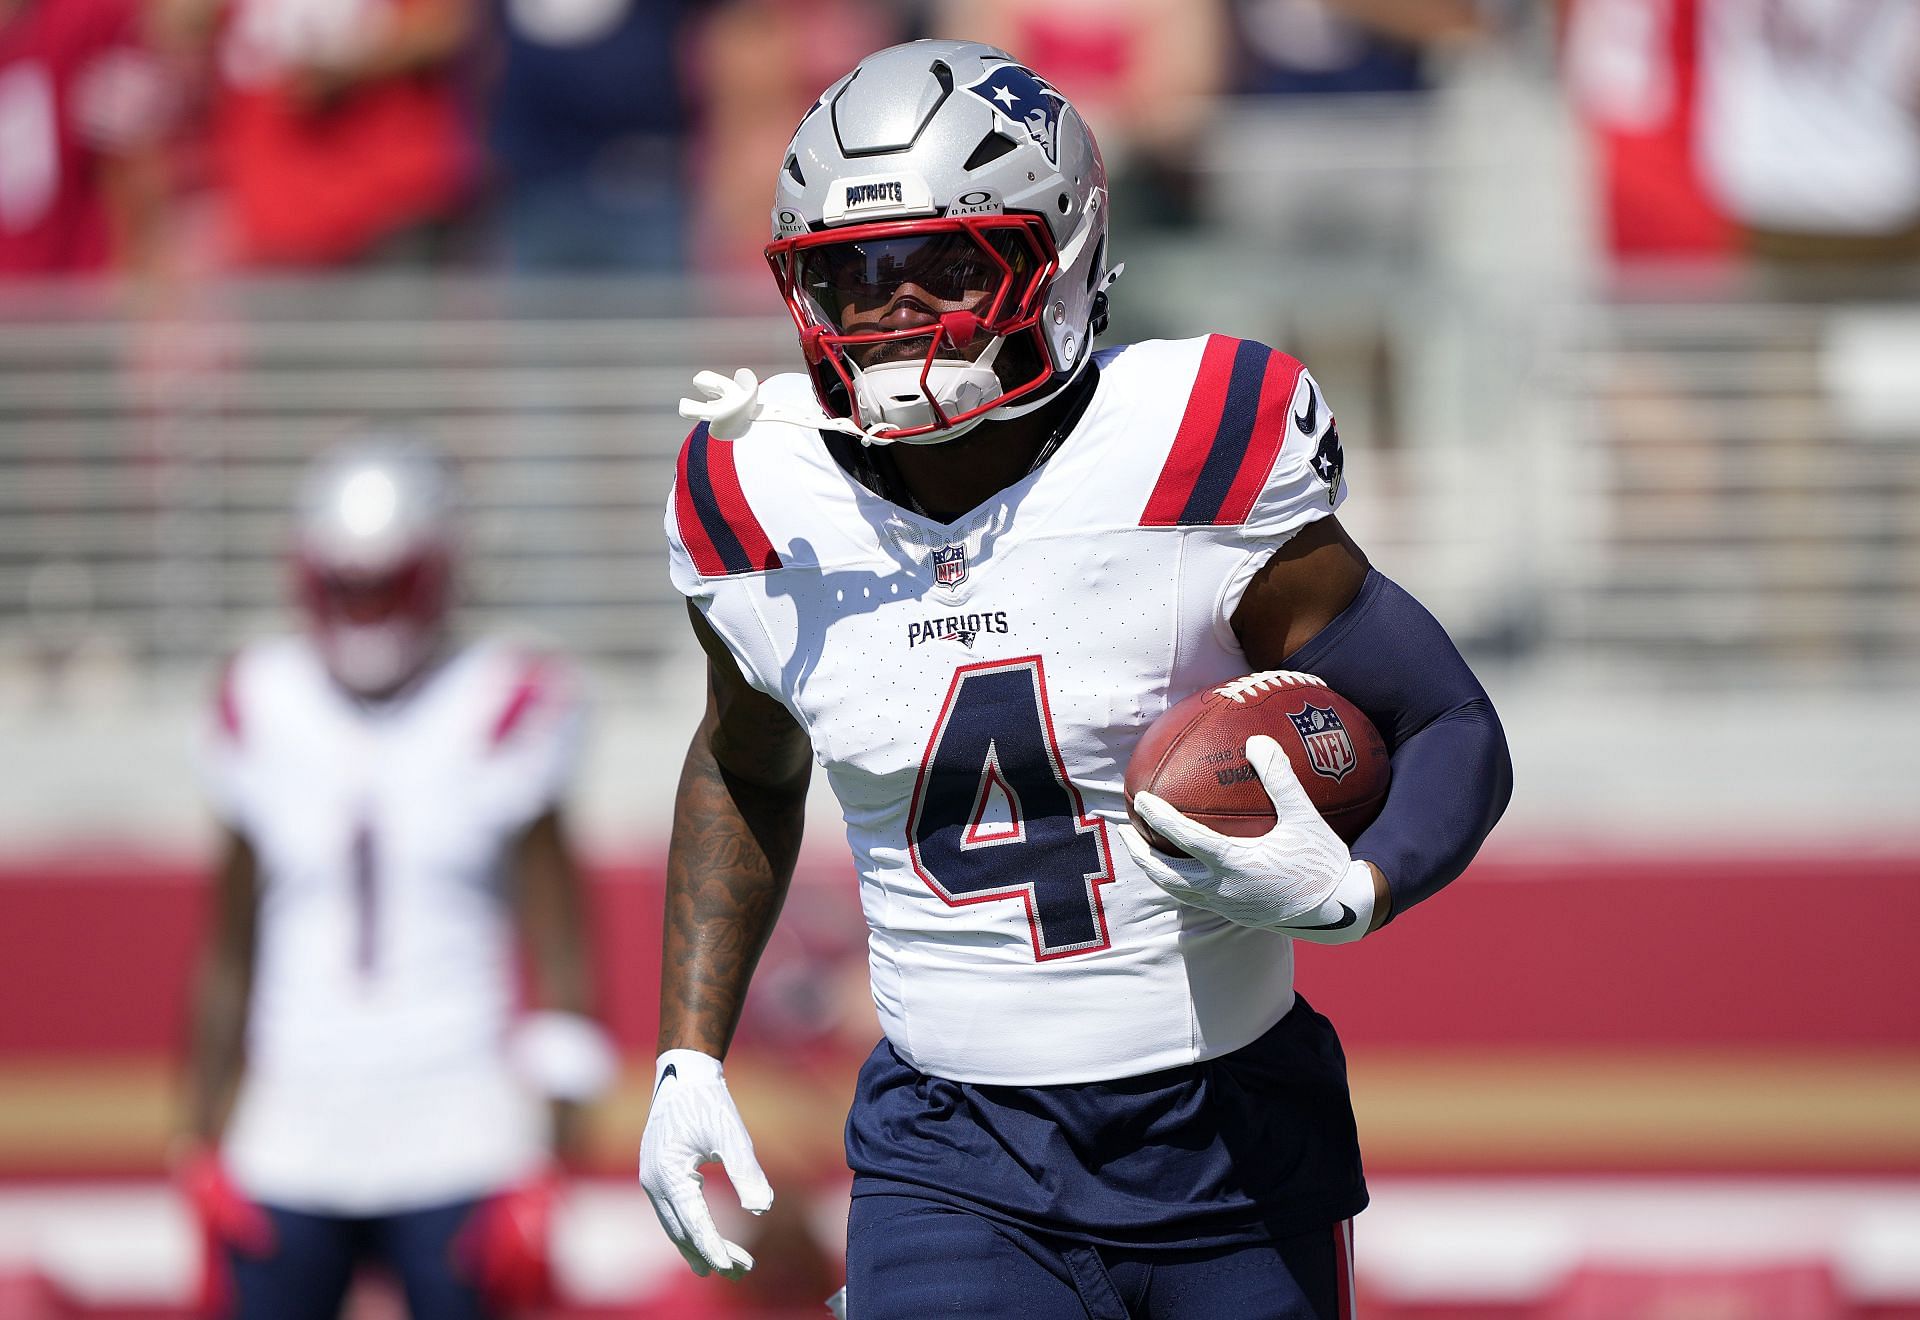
732	856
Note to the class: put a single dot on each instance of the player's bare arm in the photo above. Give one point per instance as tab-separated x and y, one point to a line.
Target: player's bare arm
736	832
550	899
221	993
552	911
1298	592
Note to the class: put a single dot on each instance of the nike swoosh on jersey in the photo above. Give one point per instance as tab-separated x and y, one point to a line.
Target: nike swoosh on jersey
671	1070
1312	419
1347	917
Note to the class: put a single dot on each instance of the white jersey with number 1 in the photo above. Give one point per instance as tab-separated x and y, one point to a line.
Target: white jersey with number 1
384	979
973	690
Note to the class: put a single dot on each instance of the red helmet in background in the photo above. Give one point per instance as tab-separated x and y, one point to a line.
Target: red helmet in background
373	560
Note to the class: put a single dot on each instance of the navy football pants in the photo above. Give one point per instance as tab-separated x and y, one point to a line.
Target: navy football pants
314	1256
912	1259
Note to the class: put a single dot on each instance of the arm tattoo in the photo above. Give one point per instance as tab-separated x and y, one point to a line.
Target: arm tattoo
728	867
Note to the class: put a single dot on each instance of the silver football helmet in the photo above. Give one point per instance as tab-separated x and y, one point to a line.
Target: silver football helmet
373	559
940	237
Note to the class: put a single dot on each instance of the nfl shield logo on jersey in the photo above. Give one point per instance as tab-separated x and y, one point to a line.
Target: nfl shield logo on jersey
949	565
1329	749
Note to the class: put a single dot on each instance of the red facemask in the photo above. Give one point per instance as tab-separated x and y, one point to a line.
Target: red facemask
922	291
376	631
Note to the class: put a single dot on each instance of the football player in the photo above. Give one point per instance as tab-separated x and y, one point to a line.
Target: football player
365	1083
962	562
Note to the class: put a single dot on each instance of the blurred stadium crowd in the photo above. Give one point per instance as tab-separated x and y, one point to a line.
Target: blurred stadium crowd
1619	304
196	137
540	135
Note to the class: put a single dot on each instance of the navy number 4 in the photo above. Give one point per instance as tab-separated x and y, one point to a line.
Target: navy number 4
995	815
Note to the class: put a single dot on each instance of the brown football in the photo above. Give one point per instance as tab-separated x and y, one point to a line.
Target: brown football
1195	756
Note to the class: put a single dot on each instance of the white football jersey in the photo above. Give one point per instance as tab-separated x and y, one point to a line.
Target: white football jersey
973	691
384	979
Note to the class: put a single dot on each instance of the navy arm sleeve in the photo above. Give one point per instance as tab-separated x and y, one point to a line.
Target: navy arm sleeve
1452	775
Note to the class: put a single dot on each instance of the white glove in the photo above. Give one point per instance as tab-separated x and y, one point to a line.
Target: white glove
563	1056
729	406
694	1122
1297	878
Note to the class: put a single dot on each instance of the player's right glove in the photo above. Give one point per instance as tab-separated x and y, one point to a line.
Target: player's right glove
694	1122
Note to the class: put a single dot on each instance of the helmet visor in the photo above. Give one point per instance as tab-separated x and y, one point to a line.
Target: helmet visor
852	285
945	290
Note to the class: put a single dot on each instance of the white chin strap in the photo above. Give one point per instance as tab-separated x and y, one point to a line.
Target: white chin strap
890	391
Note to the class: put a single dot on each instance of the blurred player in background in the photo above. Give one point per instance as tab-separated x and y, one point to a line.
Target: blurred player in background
365	1084
964	565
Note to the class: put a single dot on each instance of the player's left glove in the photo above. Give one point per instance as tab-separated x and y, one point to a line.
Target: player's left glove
1297	878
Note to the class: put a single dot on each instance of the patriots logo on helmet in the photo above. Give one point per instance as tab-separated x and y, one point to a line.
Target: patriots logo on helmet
1025	98
1329	749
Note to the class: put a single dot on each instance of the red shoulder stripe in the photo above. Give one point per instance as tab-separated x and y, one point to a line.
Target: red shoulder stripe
716	523
1194	440
226	701
693	532
527	692
1270	425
